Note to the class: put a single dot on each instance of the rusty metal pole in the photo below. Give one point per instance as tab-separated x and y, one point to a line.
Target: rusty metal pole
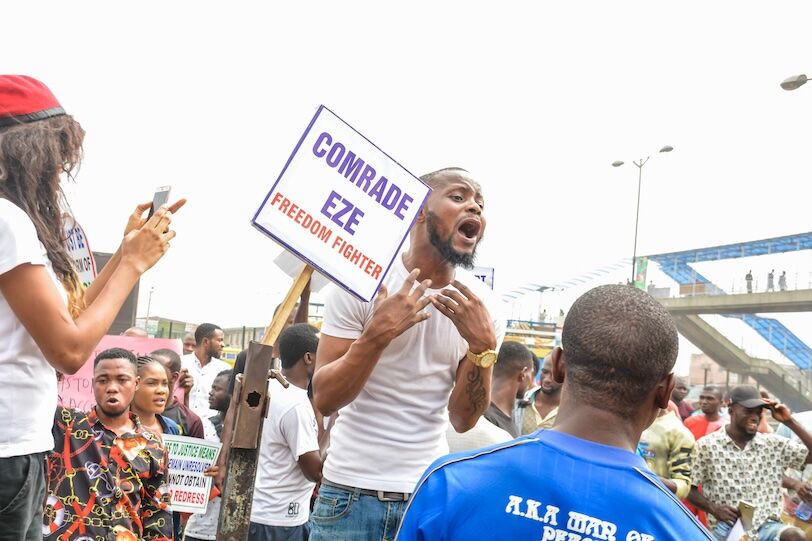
251	409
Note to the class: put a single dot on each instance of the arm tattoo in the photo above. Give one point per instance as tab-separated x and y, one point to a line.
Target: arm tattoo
475	388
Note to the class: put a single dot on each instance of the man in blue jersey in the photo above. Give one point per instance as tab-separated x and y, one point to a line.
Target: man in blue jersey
580	480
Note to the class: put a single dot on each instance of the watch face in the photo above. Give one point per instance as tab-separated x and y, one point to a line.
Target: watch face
488	359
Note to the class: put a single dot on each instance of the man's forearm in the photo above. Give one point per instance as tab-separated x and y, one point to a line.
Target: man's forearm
470	396
697	499
804	436
337	383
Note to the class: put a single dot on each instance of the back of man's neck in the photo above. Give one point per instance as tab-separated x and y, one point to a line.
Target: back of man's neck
503	397
599	426
295	378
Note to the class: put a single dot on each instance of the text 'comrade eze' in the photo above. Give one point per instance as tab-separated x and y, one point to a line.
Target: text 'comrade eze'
385	192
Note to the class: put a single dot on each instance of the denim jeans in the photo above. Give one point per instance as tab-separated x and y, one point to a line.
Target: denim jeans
22	496
342	515
263	532
770	530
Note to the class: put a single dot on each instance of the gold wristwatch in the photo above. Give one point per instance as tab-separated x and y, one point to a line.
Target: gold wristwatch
486	359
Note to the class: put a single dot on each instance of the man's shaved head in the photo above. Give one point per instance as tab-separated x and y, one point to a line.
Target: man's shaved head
441	176
618	342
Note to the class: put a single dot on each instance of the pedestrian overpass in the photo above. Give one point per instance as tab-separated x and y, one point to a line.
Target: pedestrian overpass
698	296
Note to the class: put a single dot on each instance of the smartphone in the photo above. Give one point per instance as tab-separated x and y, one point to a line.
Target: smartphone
161	197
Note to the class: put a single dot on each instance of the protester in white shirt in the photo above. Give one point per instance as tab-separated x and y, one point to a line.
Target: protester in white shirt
289	460
48	320
483	434
400	369
203	365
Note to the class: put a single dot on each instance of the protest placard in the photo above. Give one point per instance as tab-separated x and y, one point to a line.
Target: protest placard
188	459
485	274
76	391
79	251
342	205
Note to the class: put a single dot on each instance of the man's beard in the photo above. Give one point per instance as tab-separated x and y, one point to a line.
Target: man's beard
453	257
213	353
550	392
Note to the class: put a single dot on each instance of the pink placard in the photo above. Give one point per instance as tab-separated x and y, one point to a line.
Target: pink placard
76	391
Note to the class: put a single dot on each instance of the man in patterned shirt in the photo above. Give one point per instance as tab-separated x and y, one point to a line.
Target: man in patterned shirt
737	463
106	477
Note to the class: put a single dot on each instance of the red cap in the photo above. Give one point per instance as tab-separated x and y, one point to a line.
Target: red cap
24	99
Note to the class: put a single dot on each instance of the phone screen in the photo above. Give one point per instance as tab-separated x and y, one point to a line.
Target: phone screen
161	197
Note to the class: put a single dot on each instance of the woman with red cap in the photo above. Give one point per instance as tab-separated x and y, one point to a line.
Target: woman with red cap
48	321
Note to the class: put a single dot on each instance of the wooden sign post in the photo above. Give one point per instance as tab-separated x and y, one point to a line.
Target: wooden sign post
252	400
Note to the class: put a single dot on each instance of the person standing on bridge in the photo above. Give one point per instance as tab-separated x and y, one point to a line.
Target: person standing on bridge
771	280
748	278
782	281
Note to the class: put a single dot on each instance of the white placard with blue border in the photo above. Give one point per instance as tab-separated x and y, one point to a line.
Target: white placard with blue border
342	205
485	274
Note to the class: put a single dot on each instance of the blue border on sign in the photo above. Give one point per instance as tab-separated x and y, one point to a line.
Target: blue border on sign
332	277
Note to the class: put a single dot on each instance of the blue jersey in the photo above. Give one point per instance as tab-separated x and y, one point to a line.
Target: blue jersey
548	486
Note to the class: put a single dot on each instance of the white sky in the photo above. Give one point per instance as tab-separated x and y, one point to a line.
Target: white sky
536	100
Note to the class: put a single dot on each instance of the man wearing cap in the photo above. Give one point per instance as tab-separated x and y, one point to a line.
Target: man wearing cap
739	464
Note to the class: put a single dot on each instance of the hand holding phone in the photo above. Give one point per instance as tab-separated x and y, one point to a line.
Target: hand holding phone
161	197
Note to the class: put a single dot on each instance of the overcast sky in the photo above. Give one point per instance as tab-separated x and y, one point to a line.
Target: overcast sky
535	101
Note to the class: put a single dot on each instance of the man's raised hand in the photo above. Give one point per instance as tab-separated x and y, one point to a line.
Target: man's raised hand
393	315
469	315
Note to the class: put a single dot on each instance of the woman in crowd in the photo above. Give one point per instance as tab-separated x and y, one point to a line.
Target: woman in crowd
48	321
152	396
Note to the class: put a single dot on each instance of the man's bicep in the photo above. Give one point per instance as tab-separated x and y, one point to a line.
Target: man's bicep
331	348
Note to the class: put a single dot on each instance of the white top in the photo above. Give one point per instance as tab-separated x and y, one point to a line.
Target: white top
282	492
204	525
483	434
28	382
395	427
204	378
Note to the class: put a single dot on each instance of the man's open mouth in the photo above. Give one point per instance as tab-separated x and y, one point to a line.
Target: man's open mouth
470	228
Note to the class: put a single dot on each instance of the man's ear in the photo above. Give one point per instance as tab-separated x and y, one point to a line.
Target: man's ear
559	365
662	393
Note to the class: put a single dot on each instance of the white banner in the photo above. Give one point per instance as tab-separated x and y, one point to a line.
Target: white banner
342	205
485	274
79	250
188	458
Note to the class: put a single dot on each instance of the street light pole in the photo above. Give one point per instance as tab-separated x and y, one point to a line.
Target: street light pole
639	164
794	82
149	305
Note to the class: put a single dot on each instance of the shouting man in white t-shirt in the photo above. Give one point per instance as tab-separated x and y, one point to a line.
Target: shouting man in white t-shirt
289	463
401	368
203	364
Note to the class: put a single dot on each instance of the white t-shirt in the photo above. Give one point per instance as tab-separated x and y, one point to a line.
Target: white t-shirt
395	427
204	377
483	434
282	492
28	392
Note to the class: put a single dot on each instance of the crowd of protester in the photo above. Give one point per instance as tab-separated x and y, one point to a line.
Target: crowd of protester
595	441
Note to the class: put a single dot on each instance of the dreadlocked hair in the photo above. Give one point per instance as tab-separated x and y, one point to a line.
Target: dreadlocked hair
34	155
